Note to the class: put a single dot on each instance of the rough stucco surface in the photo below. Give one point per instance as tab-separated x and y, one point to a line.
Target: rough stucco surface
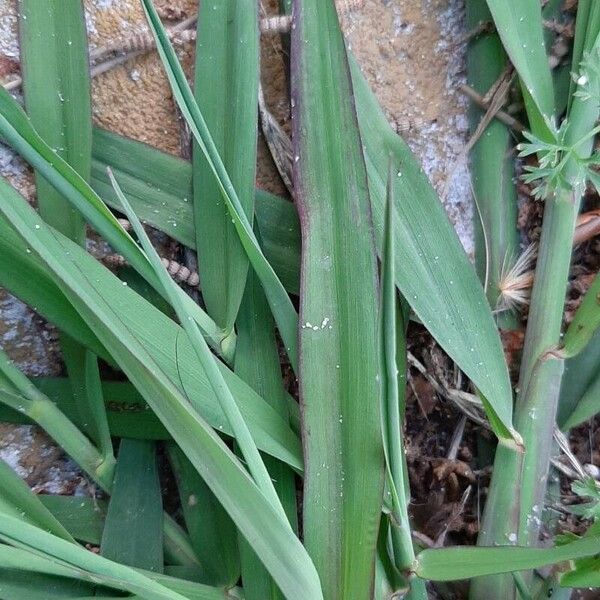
411	53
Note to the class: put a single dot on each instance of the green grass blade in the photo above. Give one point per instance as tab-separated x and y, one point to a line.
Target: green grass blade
42	552
257	363
519	25
159	187
581	372
247	445
585	322
21	585
100	305
492	170
18	269
587	407
27	585
431	268
212	533
587	28
83	518
453	564
178	549
165	341
17	500
339	363
83	372
127	412
56	85
133	532
280	303
391	326
226	89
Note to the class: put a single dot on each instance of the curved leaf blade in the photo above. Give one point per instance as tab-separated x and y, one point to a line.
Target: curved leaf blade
431	268
339	353
226	89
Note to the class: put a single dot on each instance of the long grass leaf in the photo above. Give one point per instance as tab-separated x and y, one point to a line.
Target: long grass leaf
18	269
257	363
281	305
519	25
226	89
42	552
20	585
431	268
133	529
212	533
581	372
492	171
339	363
56	85
452	564
83	518
585	322
17	500
392	406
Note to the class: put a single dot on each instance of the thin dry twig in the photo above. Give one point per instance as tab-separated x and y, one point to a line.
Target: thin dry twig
501	115
126	49
494	99
457	437
280	145
456	513
145	41
587	227
469	404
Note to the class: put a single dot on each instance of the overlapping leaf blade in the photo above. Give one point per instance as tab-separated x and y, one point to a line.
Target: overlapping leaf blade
18	500
159	187
133	532
339	356
452	564
226	88
56	86
257	363
41	552
212	533
585	322
431	268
